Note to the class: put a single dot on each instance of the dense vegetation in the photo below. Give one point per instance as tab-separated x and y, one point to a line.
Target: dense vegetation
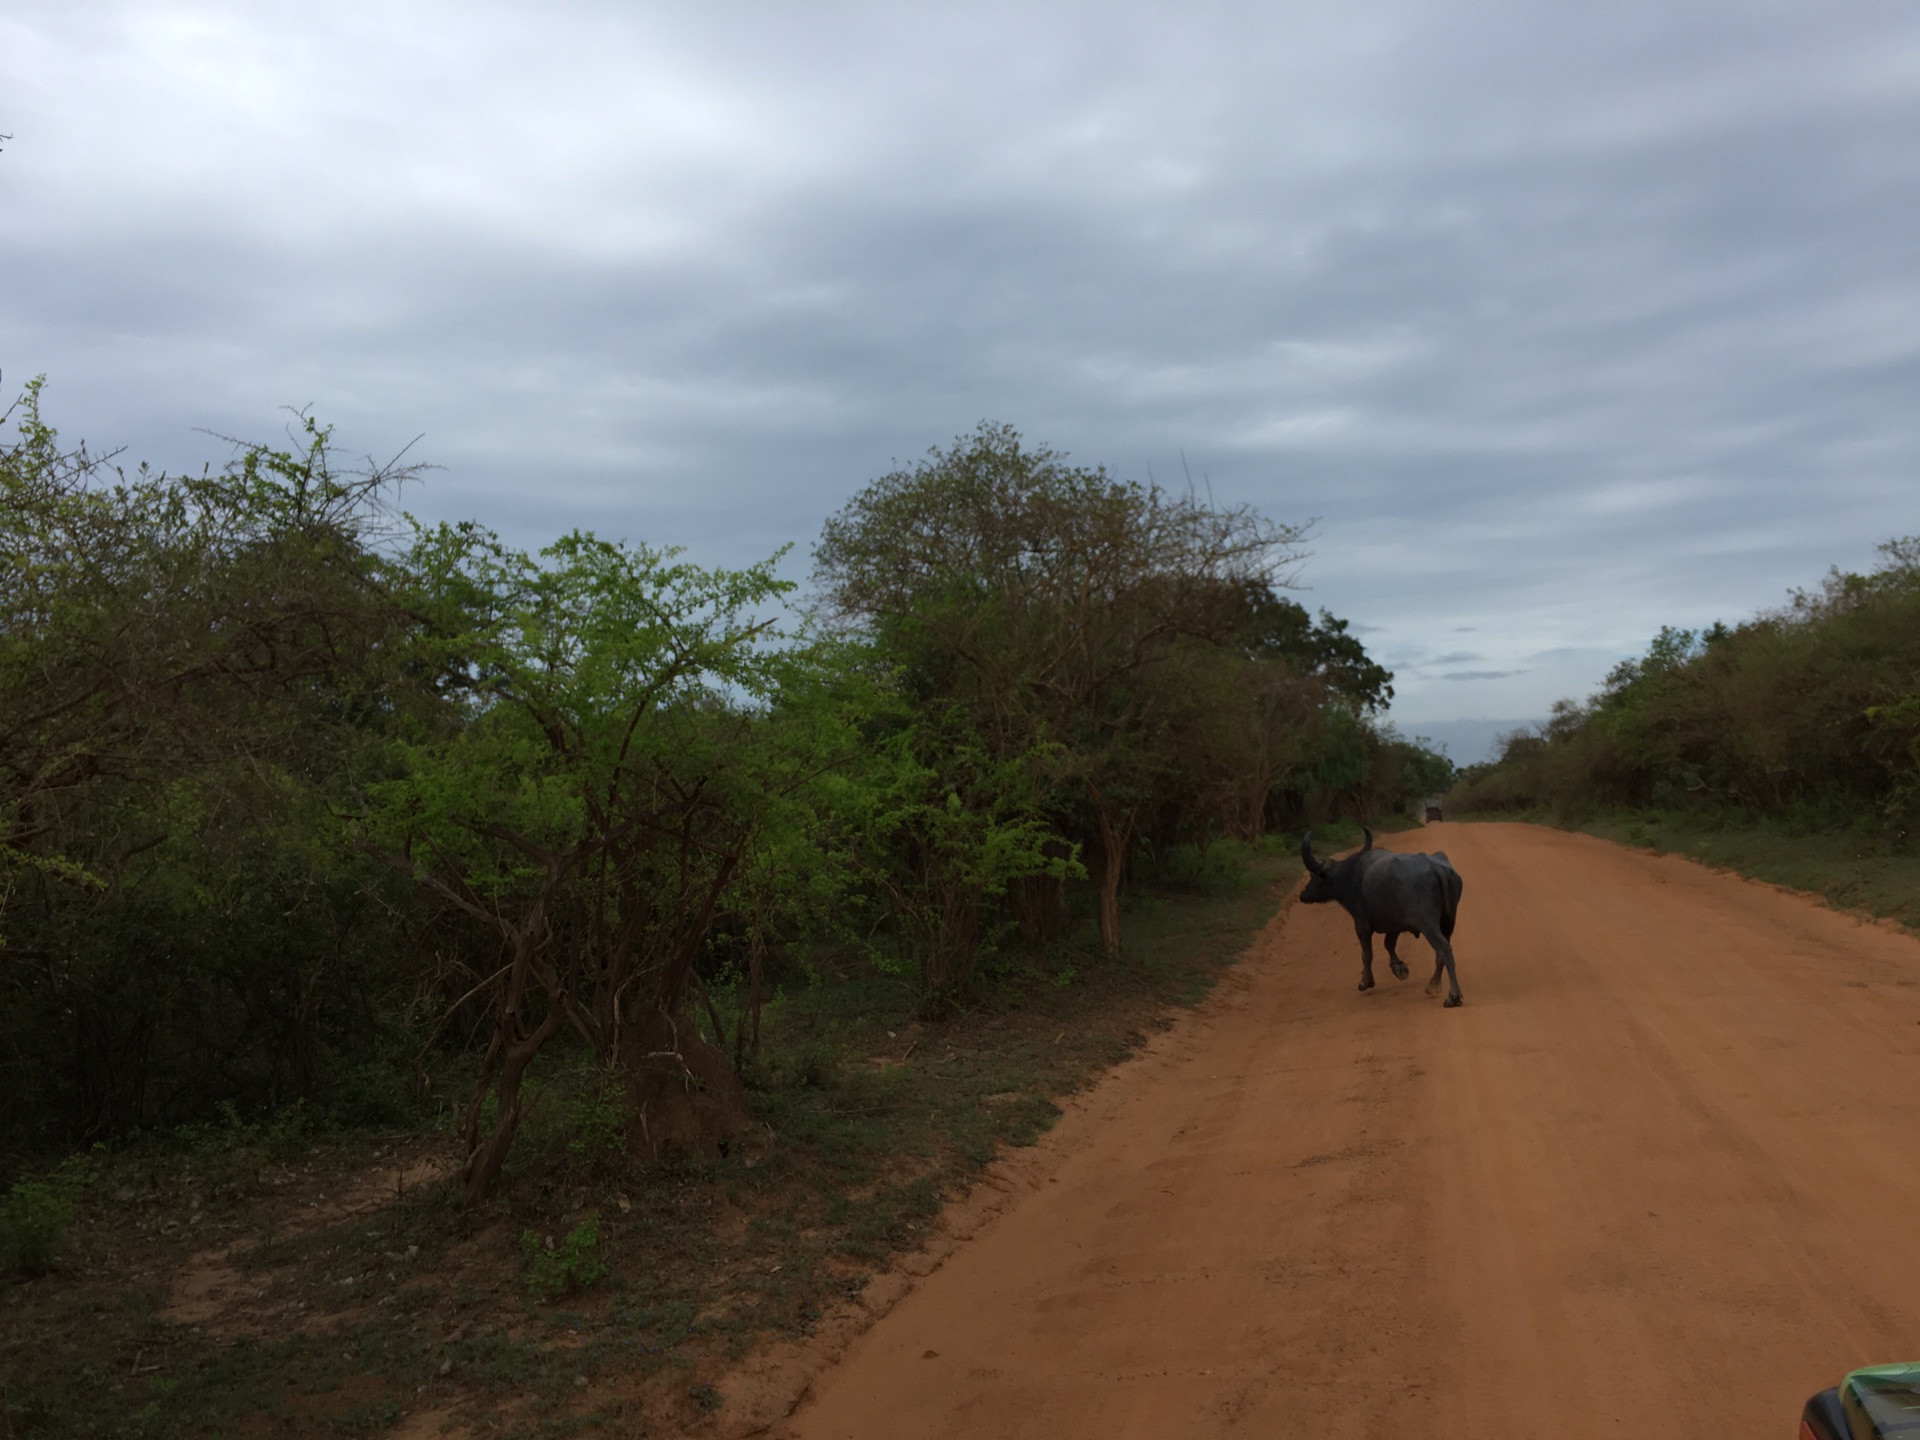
306	808
1808	715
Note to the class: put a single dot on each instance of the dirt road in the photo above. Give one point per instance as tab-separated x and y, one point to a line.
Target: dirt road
1659	1176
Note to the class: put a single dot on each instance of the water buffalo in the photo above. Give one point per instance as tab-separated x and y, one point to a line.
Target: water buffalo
1391	895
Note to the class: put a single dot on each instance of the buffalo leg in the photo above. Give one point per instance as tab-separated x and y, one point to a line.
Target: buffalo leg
1442	964
1399	966
1366	957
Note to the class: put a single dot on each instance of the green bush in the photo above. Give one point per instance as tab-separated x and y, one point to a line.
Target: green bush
278	768
196	671
35	1217
574	1264
809	1060
574	1123
374	1094
229	1153
1807	716
1211	868
594	1121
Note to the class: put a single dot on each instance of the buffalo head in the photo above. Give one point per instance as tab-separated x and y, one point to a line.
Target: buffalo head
1321	875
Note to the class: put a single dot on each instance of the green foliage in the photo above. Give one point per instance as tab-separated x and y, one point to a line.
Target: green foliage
1895	739
575	1118
951	828
1809	711
308	809
635	731
1123	646
1423	770
1280	629
35	1216
1354	768
1218	865
597	1126
194	671
575	1264
228	1153
33	1223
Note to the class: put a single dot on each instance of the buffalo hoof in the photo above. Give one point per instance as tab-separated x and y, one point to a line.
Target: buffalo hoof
1400	972
1366	984
1433	989
1451	1002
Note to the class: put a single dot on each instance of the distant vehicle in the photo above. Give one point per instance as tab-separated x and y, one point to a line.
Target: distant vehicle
1433	810
1877	1403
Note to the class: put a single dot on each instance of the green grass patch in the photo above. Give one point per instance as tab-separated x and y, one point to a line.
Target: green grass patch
35	1213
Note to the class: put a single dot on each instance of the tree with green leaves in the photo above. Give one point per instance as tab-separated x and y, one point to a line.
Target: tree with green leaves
951	828
193	669
1277	628
622	746
1050	602
1808	710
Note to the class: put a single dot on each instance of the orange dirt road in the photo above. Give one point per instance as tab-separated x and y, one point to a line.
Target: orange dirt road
1659	1176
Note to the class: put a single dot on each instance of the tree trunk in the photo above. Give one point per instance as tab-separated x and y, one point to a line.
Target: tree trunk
485	1157
746	1030
958	944
1039	907
1253	812
1115	828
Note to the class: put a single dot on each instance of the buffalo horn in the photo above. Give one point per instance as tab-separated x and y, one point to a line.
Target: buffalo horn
1369	834
1306	853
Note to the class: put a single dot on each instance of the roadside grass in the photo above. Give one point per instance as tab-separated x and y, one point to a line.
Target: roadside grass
1862	868
249	1280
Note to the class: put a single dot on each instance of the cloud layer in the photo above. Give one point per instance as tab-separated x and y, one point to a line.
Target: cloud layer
1566	322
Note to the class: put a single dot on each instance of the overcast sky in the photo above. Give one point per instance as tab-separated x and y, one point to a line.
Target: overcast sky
1565	321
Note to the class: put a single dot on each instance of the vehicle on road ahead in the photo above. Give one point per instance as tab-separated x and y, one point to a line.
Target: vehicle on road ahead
1877	1403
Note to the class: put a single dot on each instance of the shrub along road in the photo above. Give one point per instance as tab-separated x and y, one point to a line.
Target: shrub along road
1657	1176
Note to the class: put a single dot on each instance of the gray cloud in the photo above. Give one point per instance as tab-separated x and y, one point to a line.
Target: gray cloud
1566	322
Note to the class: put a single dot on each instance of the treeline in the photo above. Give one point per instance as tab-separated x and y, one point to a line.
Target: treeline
305	803
1809	713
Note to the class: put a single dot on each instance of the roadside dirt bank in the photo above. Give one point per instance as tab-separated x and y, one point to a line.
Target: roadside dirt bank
1658	1176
